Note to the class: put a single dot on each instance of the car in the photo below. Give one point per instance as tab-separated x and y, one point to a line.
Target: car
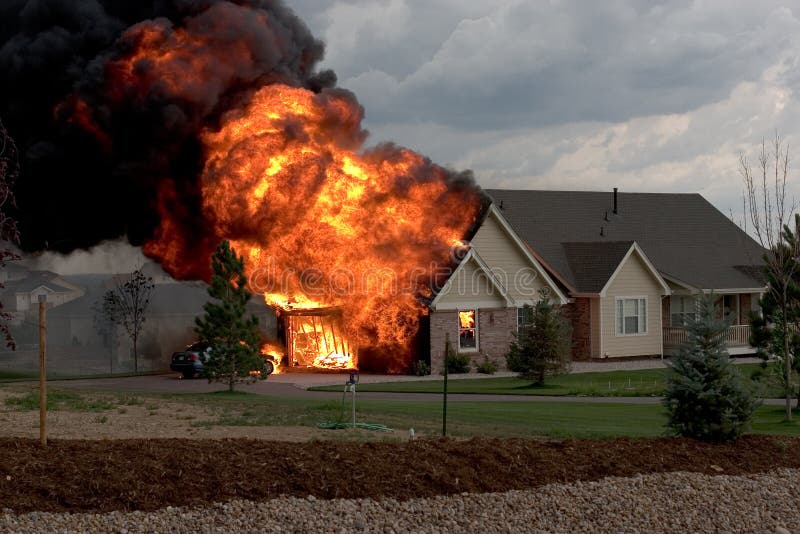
189	361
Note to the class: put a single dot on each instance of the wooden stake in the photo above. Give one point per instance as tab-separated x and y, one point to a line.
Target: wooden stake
42	371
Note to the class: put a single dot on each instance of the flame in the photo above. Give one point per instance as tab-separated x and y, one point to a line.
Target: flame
466	319
275	353
321	221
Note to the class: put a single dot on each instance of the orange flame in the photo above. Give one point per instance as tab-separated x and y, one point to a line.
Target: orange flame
466	319
321	222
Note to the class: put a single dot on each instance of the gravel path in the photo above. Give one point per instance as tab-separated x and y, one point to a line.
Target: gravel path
676	502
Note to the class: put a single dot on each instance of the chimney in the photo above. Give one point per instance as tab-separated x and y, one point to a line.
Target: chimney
615	201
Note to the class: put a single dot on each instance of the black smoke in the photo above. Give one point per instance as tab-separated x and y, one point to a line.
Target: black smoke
96	153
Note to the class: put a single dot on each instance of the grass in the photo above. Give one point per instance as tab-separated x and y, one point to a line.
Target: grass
465	418
638	383
61	400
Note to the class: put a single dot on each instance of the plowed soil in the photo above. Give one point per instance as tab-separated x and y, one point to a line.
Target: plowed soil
146	474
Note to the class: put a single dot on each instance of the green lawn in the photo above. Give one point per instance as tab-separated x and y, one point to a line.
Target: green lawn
639	383
498	419
465	418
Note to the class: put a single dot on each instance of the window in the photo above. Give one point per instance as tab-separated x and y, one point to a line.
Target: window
682	310
524	317
631	316
467	332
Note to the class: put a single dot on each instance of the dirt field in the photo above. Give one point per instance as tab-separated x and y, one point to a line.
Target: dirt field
98	461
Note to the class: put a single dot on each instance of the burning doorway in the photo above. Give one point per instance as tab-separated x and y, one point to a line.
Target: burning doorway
316	338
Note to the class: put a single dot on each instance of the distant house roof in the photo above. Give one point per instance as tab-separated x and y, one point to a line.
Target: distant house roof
36	279
685	237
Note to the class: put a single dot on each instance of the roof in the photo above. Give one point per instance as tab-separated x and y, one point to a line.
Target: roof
36	279
592	264
684	236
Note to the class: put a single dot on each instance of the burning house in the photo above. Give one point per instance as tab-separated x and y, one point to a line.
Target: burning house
204	121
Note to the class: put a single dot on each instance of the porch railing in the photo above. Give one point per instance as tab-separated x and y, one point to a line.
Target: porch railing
736	336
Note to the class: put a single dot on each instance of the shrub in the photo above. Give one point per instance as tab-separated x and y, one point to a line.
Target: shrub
488	367
458	363
705	396
543	346
420	368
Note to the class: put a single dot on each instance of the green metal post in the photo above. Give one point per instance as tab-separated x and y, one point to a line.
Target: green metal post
444	405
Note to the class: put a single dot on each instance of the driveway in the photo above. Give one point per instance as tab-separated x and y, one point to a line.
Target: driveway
294	385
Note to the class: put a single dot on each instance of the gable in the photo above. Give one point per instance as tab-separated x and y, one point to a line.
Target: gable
513	266
469	287
634	277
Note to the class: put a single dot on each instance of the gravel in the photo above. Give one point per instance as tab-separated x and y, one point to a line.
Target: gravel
674	502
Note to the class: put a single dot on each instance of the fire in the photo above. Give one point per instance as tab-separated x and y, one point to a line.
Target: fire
466	319
275	353
322	222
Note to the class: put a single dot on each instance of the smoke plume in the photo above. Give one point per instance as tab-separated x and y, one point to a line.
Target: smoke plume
103	131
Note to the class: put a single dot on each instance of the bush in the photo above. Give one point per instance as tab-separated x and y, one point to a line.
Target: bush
543	346
420	368
488	367
705	396
457	363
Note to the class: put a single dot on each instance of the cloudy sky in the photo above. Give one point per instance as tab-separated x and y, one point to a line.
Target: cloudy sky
645	96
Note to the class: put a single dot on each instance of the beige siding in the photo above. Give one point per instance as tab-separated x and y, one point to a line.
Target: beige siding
595	314
469	288
511	267
633	280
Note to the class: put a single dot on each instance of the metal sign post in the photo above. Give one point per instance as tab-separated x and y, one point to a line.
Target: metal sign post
42	370
444	404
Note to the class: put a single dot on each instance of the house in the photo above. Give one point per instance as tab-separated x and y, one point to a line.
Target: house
626	266
24	287
478	308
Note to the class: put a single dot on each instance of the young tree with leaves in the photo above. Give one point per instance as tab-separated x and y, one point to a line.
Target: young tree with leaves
774	330
234	339
126	305
9	233
769	214
706	397
543	345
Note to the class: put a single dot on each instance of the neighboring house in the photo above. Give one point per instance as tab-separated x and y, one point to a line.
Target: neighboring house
21	294
632	264
479	306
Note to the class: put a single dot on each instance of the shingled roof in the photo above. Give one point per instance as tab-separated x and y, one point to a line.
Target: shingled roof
685	237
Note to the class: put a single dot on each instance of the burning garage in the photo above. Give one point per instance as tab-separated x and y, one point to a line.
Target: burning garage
202	121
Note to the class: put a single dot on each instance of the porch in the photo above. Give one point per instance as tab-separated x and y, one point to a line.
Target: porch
737	339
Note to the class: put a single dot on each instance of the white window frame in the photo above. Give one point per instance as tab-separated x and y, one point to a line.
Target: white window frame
520	312
642	300
475	328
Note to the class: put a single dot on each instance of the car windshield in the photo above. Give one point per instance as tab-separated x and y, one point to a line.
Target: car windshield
197	347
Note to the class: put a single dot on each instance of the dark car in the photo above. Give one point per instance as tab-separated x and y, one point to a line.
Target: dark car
189	362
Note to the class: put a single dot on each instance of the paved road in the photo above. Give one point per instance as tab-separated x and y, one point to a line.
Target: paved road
293	385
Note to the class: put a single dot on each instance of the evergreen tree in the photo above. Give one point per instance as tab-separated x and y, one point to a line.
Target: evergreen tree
234	339
705	396
543	344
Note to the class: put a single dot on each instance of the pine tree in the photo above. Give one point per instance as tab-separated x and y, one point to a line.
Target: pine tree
234	339
705	396
542	347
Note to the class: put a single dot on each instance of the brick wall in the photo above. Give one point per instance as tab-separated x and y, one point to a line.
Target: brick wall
495	331
579	314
